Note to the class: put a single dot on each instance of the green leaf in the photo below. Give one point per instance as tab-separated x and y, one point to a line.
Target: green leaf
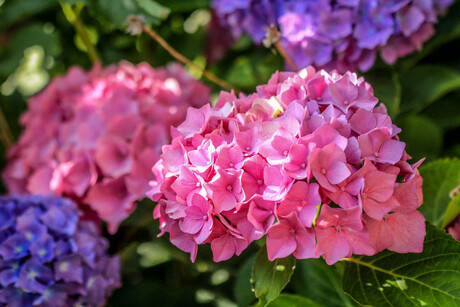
270	277
320	282
291	300
153	254
180	6
242	288
387	89
430	278
19	10
247	71
453	209
423	85
28	36
72	2
419	145
445	112
439	179
115	13
153	8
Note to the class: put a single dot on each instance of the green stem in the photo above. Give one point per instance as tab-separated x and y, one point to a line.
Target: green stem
73	16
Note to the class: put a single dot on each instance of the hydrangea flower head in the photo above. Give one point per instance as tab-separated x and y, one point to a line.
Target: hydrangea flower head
309	160
48	258
94	136
342	34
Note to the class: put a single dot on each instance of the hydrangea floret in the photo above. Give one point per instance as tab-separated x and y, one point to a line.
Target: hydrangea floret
94	136
308	160
341	34
48	258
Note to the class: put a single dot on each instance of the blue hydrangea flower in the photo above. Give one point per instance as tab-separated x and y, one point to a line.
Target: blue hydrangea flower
49	258
337	34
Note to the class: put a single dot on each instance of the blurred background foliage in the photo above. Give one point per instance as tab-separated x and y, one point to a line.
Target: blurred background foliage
38	41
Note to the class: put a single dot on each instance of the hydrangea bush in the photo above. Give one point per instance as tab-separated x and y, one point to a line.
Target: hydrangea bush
93	136
308	160
342	34
48	258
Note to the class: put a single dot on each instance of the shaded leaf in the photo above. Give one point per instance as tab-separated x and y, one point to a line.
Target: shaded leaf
153	8
320	282
423	85
270	277
419	145
445	112
291	300
179	6
391	279
116	13
25	37
387	89
17	10
439	179
242	288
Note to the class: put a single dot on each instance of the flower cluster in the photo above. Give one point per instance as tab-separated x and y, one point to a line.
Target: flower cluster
94	137
308	160
48	258
342	34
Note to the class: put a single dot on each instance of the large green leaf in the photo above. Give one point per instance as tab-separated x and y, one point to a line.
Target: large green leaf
419	145
423	85
270	277
439	179
320	282
291	300
430	278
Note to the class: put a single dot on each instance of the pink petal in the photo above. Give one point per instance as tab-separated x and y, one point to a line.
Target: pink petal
331	245
280	241
337	172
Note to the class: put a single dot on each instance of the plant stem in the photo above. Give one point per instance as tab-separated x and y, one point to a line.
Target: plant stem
273	37
5	132
285	56
73	16
186	61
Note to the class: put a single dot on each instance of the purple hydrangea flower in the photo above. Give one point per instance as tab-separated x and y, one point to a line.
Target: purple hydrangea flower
49	258
337	34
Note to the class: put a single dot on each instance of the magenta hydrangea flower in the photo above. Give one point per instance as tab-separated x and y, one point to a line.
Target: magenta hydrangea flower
49	258
308	160
340	34
94	136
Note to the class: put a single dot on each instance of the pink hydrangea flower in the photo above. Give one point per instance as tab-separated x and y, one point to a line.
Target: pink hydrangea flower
308	160
94	136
